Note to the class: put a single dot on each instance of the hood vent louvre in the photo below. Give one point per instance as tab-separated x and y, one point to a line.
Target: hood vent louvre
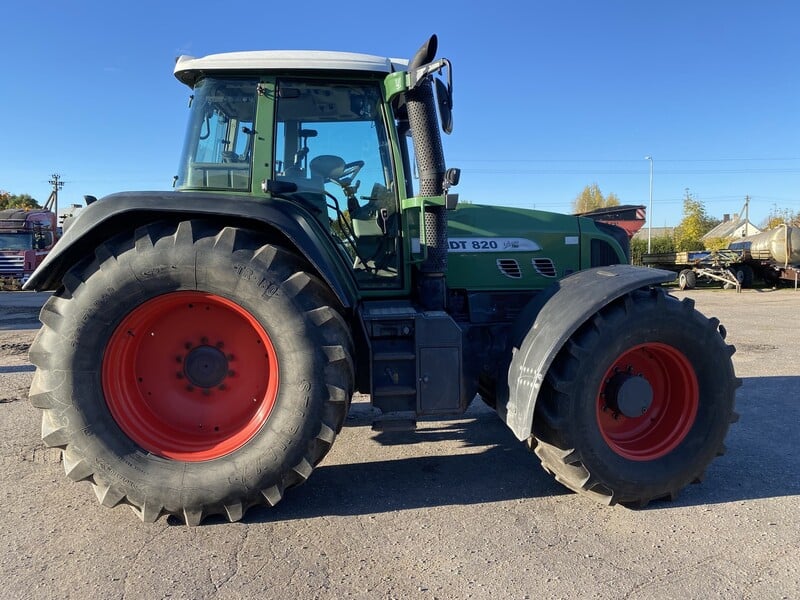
545	267
509	267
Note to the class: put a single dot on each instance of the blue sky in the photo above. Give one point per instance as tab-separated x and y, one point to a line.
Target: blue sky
550	96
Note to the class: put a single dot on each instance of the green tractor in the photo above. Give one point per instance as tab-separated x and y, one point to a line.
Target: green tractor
202	346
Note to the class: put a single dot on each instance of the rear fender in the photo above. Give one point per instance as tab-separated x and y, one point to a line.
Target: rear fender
128	210
549	321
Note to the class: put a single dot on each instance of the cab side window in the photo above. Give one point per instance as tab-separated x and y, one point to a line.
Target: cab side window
218	149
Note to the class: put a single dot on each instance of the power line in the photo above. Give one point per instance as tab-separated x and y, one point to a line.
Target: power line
622	160
637	172
550	166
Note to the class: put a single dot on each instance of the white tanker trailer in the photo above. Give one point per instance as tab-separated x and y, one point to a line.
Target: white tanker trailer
780	245
773	256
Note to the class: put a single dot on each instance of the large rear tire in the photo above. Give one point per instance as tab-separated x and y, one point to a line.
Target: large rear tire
190	370
638	402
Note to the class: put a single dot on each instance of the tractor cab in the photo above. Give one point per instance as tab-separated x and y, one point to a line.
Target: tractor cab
327	131
320	141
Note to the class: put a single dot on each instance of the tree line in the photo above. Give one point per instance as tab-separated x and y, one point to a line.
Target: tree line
22	201
591	198
688	234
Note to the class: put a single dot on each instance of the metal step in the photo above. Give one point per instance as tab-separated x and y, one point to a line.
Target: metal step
399	390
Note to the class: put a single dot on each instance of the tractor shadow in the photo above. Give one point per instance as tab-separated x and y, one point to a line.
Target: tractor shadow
503	469
490	465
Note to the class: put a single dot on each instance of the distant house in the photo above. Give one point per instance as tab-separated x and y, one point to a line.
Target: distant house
657	232
734	228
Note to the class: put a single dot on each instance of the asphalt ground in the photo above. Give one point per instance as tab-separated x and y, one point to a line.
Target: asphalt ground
459	509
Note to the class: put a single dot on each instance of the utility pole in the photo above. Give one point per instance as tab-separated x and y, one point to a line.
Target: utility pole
52	201
746	215
650	214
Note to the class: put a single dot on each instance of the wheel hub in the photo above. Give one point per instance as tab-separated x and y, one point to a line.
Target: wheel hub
190	376
647	401
205	367
629	395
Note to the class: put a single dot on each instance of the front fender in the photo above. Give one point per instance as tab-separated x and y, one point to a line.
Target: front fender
126	211
554	316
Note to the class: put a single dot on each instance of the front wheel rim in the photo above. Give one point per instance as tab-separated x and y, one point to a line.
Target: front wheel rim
190	376
669	414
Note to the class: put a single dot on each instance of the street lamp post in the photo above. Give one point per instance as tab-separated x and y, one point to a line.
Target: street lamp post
650	210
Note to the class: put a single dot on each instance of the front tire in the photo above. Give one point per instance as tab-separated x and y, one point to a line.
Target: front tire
191	370
638	402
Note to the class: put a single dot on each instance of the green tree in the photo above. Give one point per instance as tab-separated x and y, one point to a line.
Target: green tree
658	245
638	249
716	243
662	243
695	224
17	201
592	198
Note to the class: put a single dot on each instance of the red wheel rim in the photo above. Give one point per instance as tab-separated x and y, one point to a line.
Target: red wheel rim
670	413
190	376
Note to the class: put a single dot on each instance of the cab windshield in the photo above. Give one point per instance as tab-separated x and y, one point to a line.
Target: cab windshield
16	241
217	152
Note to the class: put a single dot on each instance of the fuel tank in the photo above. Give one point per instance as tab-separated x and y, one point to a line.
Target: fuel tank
781	244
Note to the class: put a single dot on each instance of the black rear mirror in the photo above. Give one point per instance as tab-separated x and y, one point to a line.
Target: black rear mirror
444	99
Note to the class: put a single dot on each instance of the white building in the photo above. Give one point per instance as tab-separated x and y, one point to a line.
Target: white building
734	228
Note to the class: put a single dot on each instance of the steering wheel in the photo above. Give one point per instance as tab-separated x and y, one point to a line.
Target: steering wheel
334	169
349	172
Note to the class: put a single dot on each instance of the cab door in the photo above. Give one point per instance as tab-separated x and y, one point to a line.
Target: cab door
332	144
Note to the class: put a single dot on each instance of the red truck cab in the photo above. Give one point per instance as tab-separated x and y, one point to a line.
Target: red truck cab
26	236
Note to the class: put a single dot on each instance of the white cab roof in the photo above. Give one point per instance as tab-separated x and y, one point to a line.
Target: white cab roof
187	68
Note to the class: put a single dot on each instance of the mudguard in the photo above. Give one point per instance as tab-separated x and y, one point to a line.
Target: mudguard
127	210
548	323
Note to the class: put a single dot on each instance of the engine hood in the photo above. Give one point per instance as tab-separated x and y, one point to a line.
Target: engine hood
495	248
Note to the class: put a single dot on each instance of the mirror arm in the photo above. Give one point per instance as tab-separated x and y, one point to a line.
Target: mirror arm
416	76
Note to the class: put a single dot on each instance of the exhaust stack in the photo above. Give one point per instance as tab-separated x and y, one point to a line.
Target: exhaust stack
422	118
